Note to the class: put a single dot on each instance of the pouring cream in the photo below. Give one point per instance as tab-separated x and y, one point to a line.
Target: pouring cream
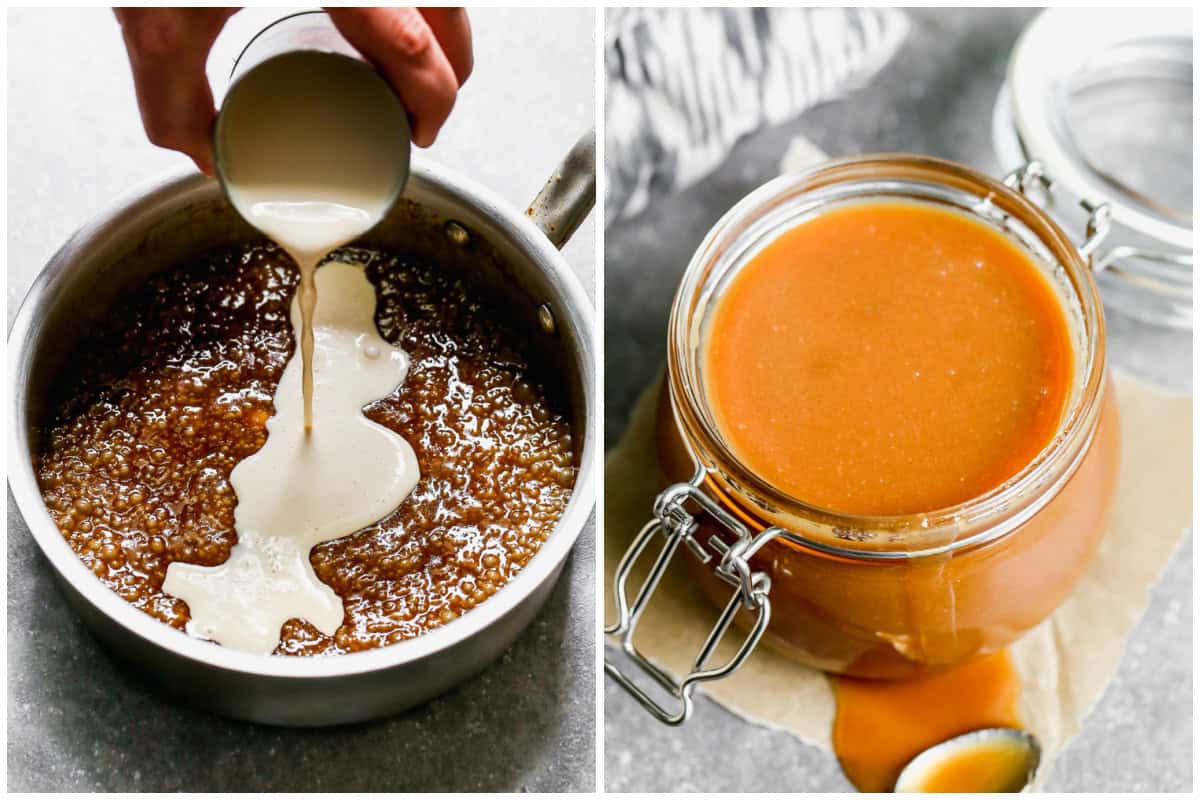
301	490
312	148
308	230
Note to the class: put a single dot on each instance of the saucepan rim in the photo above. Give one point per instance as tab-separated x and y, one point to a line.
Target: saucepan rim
448	185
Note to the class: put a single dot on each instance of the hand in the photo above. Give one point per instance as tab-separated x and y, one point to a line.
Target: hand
424	53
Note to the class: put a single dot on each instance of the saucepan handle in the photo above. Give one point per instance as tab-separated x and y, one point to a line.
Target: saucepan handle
569	194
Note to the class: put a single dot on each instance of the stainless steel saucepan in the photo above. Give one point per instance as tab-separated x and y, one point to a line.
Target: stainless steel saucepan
513	256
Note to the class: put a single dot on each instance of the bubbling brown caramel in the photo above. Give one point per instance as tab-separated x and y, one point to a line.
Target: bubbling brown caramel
153	412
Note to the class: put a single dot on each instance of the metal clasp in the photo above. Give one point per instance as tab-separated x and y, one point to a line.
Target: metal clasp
676	524
1164	272
1033	175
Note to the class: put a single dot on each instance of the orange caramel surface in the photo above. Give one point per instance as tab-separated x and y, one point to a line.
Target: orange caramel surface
888	358
882	725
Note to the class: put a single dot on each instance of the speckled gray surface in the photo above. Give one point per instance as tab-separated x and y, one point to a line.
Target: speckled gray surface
936	98
79	721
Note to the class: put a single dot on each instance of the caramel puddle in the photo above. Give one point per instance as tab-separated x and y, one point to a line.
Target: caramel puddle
882	725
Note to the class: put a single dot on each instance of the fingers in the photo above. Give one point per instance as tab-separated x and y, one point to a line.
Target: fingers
453	31
425	55
404	46
168	49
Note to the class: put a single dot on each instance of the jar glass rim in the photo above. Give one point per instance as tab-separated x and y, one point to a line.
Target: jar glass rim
729	245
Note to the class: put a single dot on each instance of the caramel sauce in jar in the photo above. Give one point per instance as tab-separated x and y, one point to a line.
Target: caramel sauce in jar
931	571
895	365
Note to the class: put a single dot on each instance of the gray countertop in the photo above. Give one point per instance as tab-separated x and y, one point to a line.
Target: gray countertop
936	98
77	719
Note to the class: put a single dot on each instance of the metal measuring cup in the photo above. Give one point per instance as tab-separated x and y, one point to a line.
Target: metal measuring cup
303	44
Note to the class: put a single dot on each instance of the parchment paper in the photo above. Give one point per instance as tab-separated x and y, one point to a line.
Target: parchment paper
1064	663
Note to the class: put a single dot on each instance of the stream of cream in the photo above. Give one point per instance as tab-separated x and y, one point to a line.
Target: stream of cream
308	230
309	146
302	489
312	147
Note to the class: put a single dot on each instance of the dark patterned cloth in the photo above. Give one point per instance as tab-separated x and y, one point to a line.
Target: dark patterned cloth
683	85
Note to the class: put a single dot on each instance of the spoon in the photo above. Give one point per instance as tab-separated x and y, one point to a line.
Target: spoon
986	760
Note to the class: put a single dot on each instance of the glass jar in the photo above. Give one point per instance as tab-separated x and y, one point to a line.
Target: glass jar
875	596
1103	98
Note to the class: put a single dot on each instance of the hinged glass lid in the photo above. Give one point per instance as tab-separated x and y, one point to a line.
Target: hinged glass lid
1103	99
